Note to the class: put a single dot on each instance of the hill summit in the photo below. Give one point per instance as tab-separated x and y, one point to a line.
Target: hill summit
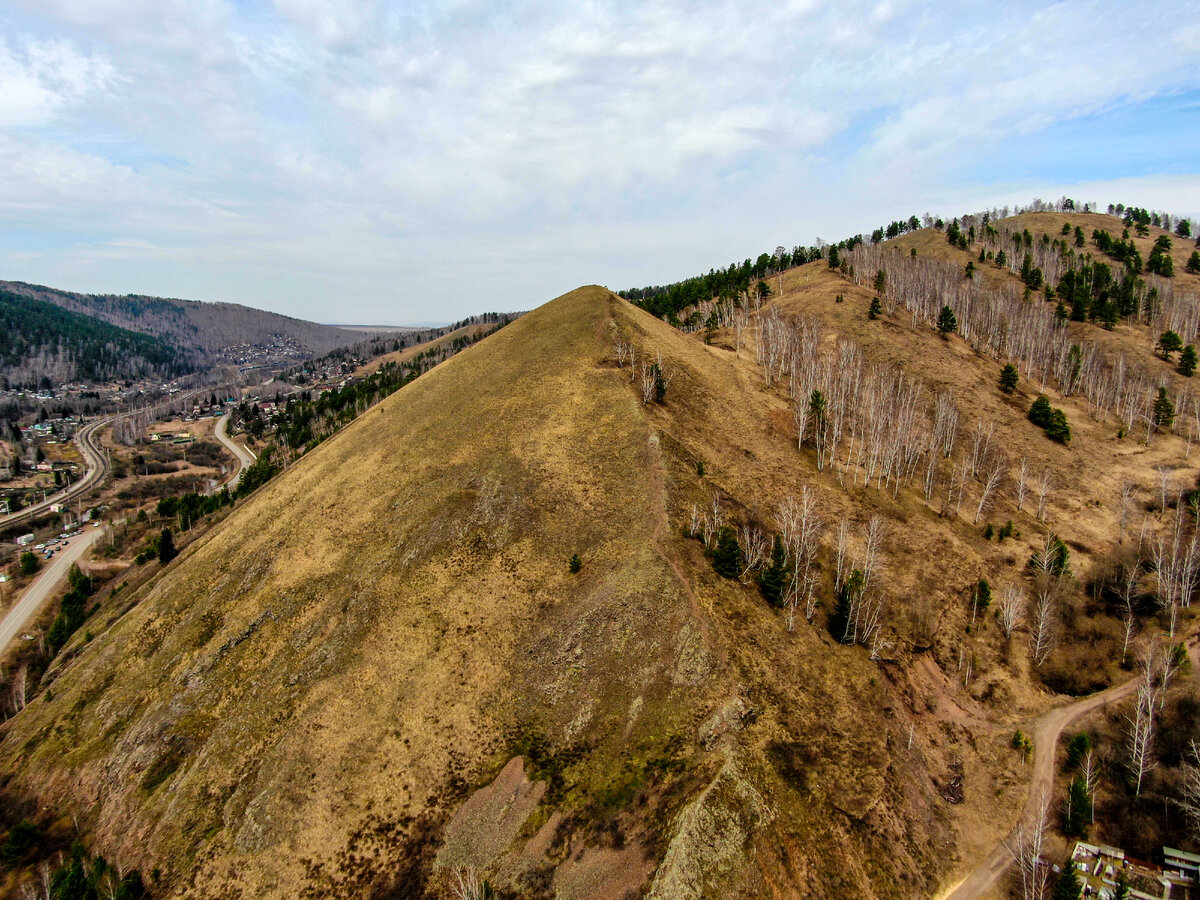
325	695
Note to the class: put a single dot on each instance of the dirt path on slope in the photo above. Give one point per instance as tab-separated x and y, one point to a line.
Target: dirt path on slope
1046	731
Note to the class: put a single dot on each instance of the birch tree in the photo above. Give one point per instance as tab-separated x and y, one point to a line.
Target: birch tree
1043	486
1026	844
1188	799
1125	506
1042	625
1140	722
801	528
1010	609
1022	481
1091	780
1128	574
995	467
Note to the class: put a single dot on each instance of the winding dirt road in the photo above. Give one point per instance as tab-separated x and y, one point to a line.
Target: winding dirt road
1046	731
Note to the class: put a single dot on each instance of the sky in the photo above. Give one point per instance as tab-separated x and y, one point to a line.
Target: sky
377	162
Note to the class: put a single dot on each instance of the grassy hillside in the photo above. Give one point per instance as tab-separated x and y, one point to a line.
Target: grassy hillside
304	700
380	670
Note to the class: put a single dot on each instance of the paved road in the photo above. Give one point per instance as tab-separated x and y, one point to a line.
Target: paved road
52	574
244	456
1046	731
97	469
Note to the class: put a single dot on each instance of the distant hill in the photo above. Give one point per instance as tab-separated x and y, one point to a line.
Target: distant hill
43	345
203	333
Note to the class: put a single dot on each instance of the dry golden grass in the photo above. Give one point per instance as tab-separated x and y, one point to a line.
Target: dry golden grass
316	683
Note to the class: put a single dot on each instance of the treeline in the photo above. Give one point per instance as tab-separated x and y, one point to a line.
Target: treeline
747	279
1004	325
667	301
204	328
42	345
186	509
78	876
381	344
741	281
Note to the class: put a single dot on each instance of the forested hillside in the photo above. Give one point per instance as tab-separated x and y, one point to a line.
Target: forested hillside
209	328
43	345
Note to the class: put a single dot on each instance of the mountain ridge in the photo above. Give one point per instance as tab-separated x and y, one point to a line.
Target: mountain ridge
201	330
325	694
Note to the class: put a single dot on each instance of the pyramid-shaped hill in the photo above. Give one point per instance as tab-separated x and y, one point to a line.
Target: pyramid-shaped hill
379	671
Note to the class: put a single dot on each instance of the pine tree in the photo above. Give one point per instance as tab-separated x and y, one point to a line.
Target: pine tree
876	309
1168	343
1040	413
947	322
575	564
835	258
166	547
1077	814
1077	749
1193	263
1009	378
983	594
1058	429
772	581
1067	887
727	556
1164	410
660	384
880	281
839	618
1187	362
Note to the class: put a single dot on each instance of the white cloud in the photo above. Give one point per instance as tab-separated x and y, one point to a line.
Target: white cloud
39	79
269	153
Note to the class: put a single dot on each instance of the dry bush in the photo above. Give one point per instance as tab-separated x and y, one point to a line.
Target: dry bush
1087	654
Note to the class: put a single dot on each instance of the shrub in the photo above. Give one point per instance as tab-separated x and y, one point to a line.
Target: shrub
22	838
29	563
